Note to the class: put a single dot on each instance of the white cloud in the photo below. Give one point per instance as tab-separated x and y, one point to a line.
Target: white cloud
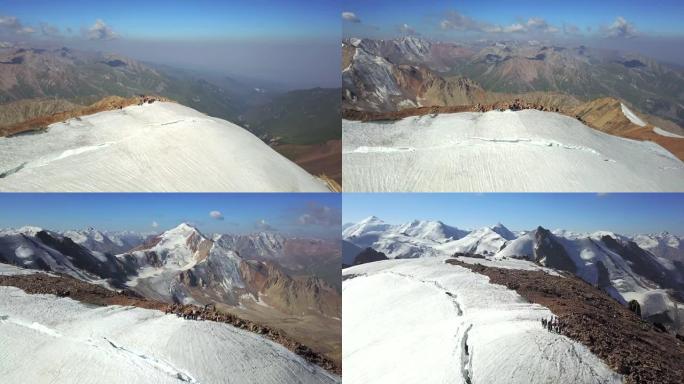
406	29
49	30
155	224
13	24
621	28
533	25
319	214
459	22
100	31
570	29
351	17
262	225
216	215
515	28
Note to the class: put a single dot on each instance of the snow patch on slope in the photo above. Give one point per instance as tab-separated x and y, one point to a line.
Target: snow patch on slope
631	116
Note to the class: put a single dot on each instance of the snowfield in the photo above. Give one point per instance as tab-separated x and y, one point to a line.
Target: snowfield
46	339
497	151
159	147
424	321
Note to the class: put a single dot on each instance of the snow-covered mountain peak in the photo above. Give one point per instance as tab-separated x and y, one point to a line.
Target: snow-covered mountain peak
503	231
431	230
29	230
182	230
369	225
182	246
371	220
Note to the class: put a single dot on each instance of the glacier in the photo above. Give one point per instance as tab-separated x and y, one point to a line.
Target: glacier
158	147
422	320
46	339
501	151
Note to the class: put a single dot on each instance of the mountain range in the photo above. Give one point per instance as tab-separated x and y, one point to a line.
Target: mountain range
182	265
648	268
387	75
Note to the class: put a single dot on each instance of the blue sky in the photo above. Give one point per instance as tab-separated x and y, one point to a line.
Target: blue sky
300	214
185	19
294	44
621	213
384	16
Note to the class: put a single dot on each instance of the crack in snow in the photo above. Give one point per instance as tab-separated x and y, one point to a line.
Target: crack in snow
536	142
466	357
13	170
155	363
452	296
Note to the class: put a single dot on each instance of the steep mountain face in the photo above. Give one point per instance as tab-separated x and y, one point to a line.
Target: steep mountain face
369	255
373	82
35	248
349	252
614	263
179	148
271	286
299	256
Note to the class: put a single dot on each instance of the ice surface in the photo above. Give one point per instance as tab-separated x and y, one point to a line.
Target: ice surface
424	321
496	151
160	147
46	339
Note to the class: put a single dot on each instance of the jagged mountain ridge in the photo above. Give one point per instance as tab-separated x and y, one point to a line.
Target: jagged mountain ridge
178	265
510	68
653	275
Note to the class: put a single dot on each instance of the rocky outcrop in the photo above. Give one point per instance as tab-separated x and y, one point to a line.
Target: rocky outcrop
549	252
39	123
369	255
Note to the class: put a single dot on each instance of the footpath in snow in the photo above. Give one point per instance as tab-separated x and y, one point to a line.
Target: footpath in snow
422	320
